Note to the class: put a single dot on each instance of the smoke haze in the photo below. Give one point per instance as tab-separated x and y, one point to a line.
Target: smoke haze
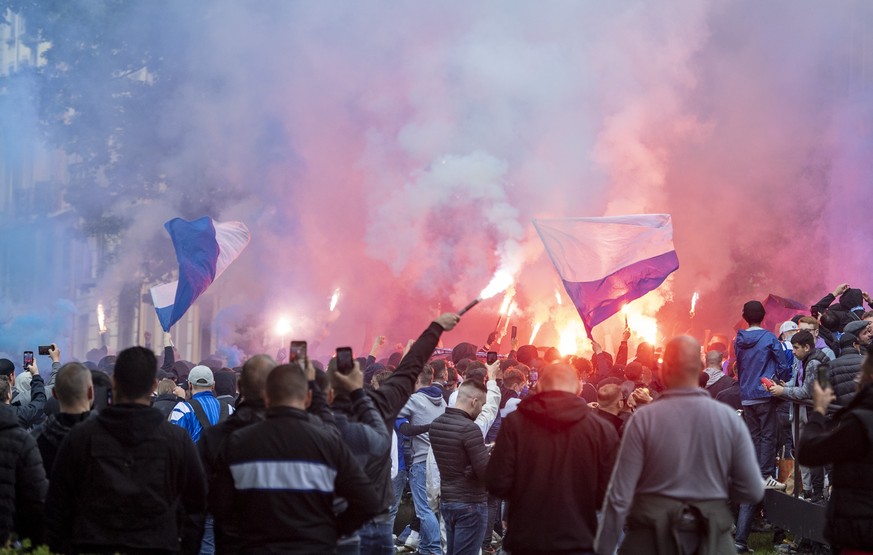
399	151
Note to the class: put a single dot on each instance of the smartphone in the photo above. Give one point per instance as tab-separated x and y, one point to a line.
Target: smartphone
298	354
491	357
823	379
767	383
28	359
514	332
44	349
345	362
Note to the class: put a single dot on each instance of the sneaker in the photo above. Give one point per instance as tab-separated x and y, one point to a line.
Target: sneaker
772	483
743	548
412	541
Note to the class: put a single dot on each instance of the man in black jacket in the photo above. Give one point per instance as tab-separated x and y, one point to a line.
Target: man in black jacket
844	370
462	458
552	462
121	480
22	478
74	392
277	479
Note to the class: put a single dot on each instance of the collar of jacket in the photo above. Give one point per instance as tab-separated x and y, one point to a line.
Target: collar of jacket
453	410
682	391
287	412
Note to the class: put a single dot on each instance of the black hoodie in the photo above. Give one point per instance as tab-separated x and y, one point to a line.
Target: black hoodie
22	481
121	482
552	462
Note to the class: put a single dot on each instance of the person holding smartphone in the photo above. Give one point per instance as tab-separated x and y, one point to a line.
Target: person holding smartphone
31	413
849	448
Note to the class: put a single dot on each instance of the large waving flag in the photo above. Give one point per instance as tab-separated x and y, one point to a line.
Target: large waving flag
608	262
204	249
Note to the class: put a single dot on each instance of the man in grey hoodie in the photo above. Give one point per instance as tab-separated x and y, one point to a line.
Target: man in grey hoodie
423	407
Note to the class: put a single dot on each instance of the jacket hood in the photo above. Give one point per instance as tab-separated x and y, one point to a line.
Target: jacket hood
750	338
433	393
555	410
130	424
7	418
852	298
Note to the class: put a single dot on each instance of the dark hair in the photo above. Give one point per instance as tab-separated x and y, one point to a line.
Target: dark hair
474	365
380	377
552	355
394	359
426	375
583	367
439	369
753	312
286	382
830	321
803	338
225	382
5	387
475	384
135	372
476	374
513	377
322	380
848	340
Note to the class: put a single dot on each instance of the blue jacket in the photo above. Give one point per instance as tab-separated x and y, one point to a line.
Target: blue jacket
759	355
183	414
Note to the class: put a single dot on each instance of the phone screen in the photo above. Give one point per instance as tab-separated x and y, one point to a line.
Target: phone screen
491	357
345	362
28	359
298	353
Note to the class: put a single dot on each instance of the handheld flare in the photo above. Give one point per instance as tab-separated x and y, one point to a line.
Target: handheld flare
469	306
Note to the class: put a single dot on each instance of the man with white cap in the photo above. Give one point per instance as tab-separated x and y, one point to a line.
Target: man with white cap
203	410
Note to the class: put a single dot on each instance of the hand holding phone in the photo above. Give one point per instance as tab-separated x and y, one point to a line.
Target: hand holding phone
345	361
297	354
491	357
28	360
823	379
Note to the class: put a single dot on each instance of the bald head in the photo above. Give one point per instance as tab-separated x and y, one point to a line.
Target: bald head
287	387
73	388
714	359
682	365
559	377
253	378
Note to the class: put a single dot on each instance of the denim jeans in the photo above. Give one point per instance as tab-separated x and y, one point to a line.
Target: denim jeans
763	426
744	523
207	544
397	484
377	538
430	527
465	526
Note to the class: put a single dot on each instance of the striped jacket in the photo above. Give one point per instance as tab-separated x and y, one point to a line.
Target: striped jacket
276	481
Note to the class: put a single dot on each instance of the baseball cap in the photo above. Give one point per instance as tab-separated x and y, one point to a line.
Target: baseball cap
201	376
856	327
787	326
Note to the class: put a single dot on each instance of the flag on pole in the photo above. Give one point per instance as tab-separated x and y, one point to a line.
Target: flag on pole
204	249
608	262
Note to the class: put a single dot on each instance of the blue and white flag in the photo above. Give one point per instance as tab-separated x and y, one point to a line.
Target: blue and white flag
608	262
204	249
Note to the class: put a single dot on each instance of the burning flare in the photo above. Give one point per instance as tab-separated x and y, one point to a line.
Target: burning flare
558	297
334	299
101	318
570	338
500	282
694	298
283	326
536	330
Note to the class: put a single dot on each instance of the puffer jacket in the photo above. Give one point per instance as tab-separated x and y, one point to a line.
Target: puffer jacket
53	433
461	455
23	484
842	373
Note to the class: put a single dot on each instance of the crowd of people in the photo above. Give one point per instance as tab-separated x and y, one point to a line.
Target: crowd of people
532	454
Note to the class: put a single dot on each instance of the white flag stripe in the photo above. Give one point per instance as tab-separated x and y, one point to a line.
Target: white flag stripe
283	475
232	238
164	295
588	249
